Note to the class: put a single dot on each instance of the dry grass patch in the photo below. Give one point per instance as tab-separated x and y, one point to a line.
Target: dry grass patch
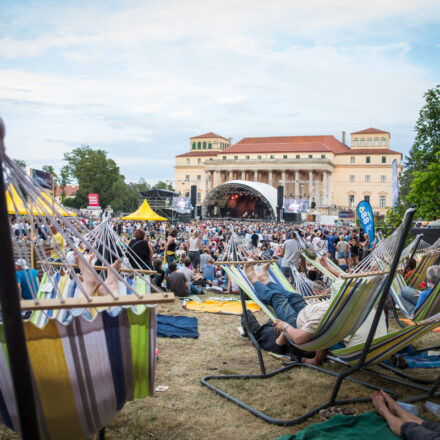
190	411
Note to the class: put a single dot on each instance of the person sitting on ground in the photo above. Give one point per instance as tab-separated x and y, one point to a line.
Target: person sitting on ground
401	422
141	255
204	258
232	287
160	275
412	298
190	277
176	281
209	270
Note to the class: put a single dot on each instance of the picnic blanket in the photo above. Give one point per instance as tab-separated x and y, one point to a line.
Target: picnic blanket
216	306
414	359
364	427
176	327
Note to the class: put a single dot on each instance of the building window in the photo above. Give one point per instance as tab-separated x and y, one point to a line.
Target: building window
383	179
376	141
367	179
352	159
258	157
367	199
235	157
199	197
383	201
285	156
199	161
187	161
352	178
272	156
224	157
368	159
199	177
384	142
204	145
356	142
369	142
310	156
199	145
298	156
193	145
322	156
248	157
351	200
362	142
210	146
384	159
187	178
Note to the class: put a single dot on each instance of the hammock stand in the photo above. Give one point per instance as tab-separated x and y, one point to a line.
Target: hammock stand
340	377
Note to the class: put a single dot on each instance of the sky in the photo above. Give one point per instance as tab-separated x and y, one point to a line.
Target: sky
139	78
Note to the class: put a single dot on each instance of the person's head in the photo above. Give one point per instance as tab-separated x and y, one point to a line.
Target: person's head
196	234
53	229
139	234
211	261
205	250
412	264
341	237
312	275
21	264
157	264
172	267
173	233
187	262
432	275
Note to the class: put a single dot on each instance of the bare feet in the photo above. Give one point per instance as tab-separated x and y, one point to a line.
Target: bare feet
394	422
111	282
250	273
90	281
318	360
263	277
398	411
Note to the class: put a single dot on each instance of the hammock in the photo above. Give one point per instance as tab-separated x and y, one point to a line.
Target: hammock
88	354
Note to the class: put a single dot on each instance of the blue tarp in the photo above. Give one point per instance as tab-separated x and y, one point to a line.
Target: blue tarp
176	327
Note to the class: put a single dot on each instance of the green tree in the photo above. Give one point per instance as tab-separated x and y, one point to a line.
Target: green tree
163	185
50	169
424	191
20	163
426	143
141	186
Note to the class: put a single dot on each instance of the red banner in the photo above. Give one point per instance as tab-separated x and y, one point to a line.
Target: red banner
93	199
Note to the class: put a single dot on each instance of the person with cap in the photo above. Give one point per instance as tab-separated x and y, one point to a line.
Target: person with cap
27	279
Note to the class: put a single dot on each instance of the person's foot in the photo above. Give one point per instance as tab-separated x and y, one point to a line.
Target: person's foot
250	273
380	404
89	278
263	277
398	411
112	281
318	360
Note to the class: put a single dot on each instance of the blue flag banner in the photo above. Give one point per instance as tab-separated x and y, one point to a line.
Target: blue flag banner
365	214
395	183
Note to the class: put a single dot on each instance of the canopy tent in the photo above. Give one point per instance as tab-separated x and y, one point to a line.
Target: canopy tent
44	205
145	213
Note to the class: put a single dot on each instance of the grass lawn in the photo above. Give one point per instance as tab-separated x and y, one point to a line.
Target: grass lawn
190	411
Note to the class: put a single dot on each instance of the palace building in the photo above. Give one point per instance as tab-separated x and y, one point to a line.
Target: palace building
322	169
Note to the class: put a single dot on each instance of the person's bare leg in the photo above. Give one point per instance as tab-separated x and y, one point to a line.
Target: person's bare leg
318	360
394	422
112	281
263	277
250	273
398	411
89	281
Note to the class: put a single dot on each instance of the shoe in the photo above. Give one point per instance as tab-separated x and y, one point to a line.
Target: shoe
244	336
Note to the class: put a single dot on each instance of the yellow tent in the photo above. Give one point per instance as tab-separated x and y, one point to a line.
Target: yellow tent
144	213
45	205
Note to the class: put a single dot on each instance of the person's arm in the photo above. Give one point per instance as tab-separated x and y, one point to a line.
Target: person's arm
298	336
281	251
324	262
150	246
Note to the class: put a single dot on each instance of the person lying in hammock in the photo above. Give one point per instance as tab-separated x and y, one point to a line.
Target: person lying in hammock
92	283
297	319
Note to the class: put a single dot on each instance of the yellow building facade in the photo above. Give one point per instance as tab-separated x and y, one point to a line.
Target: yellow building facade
319	168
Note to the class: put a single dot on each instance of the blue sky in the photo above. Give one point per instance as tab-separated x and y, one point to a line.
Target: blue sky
138	78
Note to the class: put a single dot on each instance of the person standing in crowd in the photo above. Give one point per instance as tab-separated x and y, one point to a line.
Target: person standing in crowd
142	251
254	239
290	255
353	256
27	279
365	246
56	245
194	249
170	247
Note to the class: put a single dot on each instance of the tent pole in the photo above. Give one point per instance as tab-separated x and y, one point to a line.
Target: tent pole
12	322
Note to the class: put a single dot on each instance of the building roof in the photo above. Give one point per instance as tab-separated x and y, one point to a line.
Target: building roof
209	135
198	153
283	144
371	130
69	190
371	151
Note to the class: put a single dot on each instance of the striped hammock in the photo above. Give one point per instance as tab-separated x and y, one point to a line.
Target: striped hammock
85	371
419	273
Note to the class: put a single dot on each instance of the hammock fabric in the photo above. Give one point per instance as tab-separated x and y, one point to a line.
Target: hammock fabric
419	273
84	372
